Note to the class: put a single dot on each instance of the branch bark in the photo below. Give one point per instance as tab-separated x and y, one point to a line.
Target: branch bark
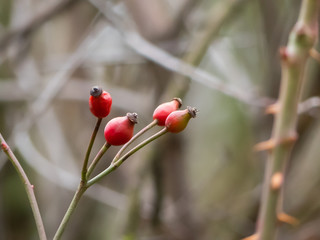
28	187
294	59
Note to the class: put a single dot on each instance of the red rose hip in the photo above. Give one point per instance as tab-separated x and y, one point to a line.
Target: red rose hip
99	102
178	120
163	110
119	130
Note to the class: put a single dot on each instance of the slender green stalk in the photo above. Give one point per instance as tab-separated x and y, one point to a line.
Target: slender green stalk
142	131
141	145
83	183
114	165
95	161
86	159
28	187
294	59
76	198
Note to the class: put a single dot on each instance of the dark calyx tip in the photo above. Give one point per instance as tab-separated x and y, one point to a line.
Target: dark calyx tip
179	101
133	117
96	91
192	111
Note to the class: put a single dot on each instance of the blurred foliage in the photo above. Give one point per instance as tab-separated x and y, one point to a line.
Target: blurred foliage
202	184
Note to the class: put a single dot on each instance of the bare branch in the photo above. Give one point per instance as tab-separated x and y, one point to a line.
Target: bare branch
28	187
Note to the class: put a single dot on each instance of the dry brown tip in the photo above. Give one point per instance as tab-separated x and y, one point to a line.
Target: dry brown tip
133	117
96	91
192	111
179	101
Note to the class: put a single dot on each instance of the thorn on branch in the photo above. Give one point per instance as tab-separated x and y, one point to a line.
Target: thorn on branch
4	147
284	54
285	218
272	143
315	54
276	181
263	146
273	109
252	237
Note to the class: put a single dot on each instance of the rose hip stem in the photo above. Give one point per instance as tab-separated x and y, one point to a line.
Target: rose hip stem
95	161
137	135
115	165
86	159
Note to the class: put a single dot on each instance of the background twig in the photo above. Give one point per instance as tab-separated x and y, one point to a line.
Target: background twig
28	187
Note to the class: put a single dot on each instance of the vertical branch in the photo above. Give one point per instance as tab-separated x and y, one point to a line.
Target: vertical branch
294	58
27	186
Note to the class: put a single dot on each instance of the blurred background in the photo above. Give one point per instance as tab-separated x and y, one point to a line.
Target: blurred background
204	183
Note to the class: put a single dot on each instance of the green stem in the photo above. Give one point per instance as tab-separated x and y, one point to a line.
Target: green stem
142	131
76	198
86	159
83	183
294	59
95	161
28	187
114	165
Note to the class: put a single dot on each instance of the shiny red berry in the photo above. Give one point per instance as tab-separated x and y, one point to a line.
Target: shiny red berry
119	130
163	110
178	120
99	102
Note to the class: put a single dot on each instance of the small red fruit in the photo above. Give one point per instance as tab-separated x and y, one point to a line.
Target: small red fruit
178	120
119	130
163	110
99	102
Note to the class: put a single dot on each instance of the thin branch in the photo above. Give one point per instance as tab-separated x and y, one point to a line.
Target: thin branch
166	60
28	187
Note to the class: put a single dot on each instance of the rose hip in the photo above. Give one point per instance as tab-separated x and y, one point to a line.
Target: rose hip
163	110
178	120
99	102
119	130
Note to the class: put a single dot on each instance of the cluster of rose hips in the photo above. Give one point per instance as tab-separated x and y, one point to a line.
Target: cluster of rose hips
119	130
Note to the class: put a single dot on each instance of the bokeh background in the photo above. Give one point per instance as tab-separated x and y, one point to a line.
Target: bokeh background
204	183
